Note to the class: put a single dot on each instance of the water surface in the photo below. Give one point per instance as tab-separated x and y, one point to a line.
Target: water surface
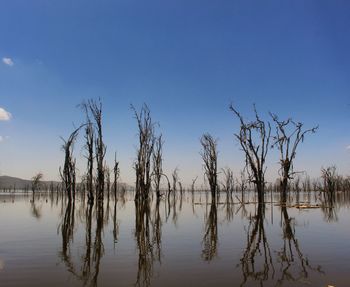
179	241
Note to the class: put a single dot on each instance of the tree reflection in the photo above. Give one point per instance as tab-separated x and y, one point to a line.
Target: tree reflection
148	239
328	207
257	263
86	269
291	255
94	248
35	209
210	239
67	229
98	249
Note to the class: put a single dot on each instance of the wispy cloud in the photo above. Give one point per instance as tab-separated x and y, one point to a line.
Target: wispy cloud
8	61
348	147
4	138
4	115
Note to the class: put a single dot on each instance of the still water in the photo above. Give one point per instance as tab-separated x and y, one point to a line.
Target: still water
181	241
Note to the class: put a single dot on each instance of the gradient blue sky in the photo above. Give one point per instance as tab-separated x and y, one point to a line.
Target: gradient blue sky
188	60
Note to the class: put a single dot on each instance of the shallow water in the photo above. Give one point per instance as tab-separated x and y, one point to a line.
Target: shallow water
184	241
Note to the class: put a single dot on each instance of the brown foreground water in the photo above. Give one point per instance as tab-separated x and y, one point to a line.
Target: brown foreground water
182	241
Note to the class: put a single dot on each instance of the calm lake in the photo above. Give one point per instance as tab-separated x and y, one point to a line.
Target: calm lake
179	241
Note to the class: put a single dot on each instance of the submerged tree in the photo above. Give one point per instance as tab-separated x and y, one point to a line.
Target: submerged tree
229	181
157	158
116	172
68	174
107	172
100	148
36	181
289	135
144	152
89	146
175	177
193	183
254	138
329	177
209	155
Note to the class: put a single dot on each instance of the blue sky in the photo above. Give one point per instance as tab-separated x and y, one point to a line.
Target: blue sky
188	60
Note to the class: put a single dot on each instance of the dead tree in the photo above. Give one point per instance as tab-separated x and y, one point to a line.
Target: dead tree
229	180
116	172
289	135
144	152
329	177
254	138
175	177
68	172
36	182
100	148
89	146
193	183
209	155
157	158
108	180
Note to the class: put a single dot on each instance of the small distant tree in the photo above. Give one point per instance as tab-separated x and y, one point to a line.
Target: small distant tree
329	176
36	181
209	155
107	173
254	138
193	183
116	172
289	135
228	184
242	185
175	177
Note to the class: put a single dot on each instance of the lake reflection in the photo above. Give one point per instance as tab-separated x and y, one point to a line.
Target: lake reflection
181	239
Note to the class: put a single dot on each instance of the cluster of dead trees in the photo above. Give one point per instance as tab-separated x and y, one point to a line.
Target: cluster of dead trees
255	140
256	137
149	157
95	153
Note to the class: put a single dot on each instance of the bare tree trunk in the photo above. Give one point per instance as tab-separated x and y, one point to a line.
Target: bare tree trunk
116	175
144	152
157	164
100	148
89	146
255	153
209	155
68	173
289	135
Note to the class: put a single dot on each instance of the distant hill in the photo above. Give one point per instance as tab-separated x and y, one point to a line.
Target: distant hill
9	182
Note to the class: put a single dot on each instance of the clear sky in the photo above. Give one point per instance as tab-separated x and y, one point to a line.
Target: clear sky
188	60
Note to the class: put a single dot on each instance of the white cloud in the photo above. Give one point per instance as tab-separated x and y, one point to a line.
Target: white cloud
348	147
8	61
4	115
